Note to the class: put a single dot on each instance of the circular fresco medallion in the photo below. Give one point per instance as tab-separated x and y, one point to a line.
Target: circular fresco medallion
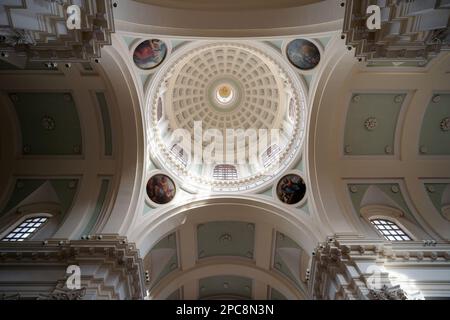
291	189
150	54
303	54
161	189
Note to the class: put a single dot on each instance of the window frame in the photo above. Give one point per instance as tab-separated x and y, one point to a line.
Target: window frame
4	233
385	222
225	176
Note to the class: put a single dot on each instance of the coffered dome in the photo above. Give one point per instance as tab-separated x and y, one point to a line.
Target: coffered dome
223	86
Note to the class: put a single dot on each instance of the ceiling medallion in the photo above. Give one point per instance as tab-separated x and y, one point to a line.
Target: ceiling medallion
437	98
395	189
48	123
371	123
445	124
398	99
225	238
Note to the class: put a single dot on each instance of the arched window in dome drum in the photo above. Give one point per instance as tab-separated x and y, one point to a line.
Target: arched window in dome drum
26	229
180	154
159	110
225	172
270	155
390	230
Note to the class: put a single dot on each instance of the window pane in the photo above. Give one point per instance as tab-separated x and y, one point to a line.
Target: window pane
390	230
25	230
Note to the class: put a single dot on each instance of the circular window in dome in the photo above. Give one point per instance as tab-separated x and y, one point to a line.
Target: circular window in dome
303	54
224	94
161	189
150	54
291	189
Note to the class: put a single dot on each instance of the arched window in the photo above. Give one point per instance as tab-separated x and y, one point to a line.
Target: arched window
180	154
270	155
390	230
225	172
26	229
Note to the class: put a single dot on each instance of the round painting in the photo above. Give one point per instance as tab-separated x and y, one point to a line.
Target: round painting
149	54
161	189
303	54
291	189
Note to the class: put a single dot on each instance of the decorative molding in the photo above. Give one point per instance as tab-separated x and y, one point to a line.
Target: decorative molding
410	30
387	293
49	42
124	278
371	123
445	124
336	268
64	294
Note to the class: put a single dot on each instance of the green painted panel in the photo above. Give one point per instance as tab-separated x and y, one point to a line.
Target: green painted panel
391	190
283	241
324	41
226	238
386	188
176	295
305	208
435	140
385	108
177	42
276	43
147	209
308	79
128	40
65	189
98	206
22	189
106	121
225	286
276	295
169	242
435	192
49	123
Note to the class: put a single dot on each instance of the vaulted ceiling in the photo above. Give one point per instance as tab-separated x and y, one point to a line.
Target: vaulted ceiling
228	5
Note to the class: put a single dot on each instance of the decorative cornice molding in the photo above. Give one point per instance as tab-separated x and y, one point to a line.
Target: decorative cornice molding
342	255
414	38
110	252
49	43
